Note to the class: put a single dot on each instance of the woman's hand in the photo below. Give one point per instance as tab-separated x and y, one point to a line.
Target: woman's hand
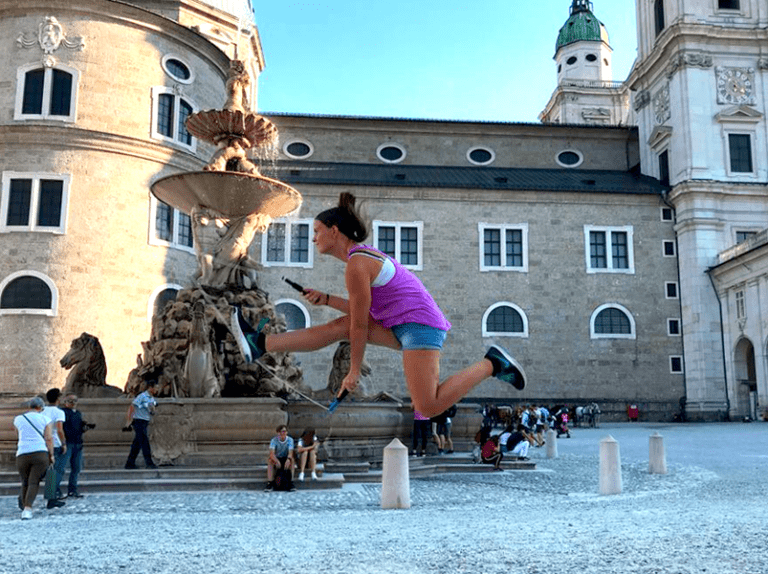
350	381
316	297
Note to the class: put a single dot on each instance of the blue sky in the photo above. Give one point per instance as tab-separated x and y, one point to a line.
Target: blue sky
485	60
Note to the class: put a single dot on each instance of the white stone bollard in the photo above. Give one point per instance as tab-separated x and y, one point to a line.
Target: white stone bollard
395	480
551	444
610	466
657	458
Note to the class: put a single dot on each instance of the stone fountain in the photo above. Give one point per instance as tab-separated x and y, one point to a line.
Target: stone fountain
190	350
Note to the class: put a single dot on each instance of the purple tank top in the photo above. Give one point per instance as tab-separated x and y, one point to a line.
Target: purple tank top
404	299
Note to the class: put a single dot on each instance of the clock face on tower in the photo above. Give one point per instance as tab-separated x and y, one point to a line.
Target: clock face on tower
735	85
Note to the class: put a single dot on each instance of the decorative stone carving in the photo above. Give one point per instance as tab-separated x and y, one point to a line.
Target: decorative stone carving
762	64
50	38
340	368
200	369
642	99
735	85
683	59
661	108
88	375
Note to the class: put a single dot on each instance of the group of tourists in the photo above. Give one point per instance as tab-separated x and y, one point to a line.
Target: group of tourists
285	454
50	440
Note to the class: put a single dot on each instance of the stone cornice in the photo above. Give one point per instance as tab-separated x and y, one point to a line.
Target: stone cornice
69	138
682	37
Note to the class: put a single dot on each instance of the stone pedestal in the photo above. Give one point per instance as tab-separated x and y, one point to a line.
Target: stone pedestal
395	480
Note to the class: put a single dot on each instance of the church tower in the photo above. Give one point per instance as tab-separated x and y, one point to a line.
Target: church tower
586	92
700	86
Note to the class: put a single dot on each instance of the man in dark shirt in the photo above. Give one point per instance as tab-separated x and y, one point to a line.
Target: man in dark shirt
74	427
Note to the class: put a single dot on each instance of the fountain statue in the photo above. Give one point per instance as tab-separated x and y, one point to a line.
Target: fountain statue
190	351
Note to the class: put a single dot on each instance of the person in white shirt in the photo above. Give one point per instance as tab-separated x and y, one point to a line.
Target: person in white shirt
57	417
34	452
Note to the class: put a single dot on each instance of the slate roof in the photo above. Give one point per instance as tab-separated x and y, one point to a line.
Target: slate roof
513	179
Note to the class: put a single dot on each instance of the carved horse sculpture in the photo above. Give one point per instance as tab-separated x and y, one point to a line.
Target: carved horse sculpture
199	368
88	375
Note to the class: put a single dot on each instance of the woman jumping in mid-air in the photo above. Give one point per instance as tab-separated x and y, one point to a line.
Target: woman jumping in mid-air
387	306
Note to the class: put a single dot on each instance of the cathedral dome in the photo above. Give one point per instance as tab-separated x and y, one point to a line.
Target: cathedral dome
582	25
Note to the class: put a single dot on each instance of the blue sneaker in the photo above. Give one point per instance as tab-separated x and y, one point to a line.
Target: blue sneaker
506	368
246	337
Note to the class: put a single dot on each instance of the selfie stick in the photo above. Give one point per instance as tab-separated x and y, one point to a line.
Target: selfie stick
337	400
295	285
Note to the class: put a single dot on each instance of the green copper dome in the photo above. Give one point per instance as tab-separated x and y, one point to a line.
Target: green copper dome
582	25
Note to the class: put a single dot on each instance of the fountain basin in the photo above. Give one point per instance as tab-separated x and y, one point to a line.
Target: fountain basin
213	125
233	194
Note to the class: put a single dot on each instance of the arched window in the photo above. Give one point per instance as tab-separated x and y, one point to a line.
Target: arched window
612	321
160	298
28	292
46	93
505	319
296	315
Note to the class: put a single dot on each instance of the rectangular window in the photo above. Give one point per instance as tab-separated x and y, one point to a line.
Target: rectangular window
742	236
61	93
400	240
670	289
286	243
667	214
46	93
658	14
664	167
597	253
673	327
668	248
609	249
169	117
740	151
675	364
170	227
728	4
34	202
619	246
32	103
503	247
741	306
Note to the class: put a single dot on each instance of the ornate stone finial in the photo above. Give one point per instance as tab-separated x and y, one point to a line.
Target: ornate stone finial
50	38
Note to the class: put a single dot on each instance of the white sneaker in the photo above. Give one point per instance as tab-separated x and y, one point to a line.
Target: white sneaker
301	477
314	475
26	514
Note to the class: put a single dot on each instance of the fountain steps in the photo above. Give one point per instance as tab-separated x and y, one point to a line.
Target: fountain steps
241	477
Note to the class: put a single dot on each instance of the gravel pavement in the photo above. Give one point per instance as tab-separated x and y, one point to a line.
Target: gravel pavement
707	514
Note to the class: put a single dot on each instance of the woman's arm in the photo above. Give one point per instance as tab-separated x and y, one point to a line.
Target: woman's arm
48	436
359	275
333	301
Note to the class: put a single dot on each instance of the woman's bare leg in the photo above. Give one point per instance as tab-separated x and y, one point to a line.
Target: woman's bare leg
429	396
321	336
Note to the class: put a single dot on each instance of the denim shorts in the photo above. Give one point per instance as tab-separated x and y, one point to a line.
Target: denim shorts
414	337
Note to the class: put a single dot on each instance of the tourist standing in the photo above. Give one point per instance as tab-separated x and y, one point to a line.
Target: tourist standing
34	452
140	412
56	416
74	428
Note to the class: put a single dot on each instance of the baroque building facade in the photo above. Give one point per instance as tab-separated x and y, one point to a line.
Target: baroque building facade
573	242
700	86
